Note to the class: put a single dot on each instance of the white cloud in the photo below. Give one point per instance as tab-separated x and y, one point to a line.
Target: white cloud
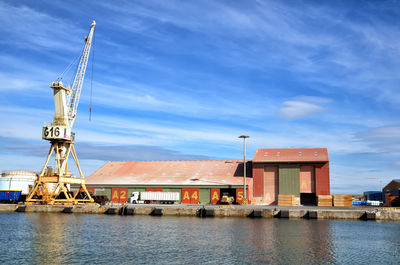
34	32
293	110
138	96
387	132
383	139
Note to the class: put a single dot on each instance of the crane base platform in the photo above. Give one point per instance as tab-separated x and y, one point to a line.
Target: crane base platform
53	190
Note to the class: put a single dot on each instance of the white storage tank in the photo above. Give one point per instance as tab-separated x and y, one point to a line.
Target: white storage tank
17	180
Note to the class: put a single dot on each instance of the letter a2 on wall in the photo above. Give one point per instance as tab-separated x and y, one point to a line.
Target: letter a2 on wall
119	195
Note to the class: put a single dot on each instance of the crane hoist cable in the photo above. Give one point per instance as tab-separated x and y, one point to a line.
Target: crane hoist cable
91	77
68	68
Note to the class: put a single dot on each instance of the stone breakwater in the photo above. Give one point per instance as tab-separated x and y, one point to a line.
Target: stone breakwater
341	213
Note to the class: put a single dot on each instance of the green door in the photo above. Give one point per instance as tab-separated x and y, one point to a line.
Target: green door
289	180
205	196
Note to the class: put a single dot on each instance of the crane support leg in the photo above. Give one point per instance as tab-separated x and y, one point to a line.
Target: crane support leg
50	186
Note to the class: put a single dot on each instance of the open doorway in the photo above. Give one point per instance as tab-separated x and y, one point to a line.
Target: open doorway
308	199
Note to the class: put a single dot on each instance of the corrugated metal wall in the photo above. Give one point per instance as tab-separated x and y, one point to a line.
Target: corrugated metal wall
289	180
249	190
322	179
205	195
271	184
154	189
130	190
307	179
258	180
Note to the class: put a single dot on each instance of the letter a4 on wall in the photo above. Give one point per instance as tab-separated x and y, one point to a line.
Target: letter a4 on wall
190	196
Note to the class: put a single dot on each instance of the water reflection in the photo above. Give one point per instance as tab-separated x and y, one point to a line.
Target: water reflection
51	236
100	239
291	241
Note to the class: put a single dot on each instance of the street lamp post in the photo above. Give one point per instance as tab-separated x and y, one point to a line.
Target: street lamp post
244	166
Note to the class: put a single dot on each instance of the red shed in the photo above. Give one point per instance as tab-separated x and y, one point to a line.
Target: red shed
303	172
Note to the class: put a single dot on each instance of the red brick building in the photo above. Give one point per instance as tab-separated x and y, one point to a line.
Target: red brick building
303	172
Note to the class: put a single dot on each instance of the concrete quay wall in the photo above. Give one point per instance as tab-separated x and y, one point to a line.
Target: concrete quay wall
339	213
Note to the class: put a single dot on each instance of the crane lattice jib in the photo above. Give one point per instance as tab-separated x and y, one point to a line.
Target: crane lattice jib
73	98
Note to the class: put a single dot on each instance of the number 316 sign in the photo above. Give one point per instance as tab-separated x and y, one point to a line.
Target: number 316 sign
56	132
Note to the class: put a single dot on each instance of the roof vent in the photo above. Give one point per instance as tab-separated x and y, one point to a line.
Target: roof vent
315	153
300	153
266	154
278	154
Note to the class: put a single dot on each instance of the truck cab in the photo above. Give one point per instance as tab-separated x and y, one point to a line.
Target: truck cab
135	197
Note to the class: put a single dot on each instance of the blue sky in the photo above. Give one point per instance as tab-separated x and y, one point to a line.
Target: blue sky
177	80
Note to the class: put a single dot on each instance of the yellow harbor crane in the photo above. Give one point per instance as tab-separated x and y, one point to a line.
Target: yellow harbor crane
52	187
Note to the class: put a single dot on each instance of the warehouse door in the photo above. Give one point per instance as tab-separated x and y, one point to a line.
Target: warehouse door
119	195
205	196
271	185
289	180
215	196
307	186
190	196
307	179
308	199
230	193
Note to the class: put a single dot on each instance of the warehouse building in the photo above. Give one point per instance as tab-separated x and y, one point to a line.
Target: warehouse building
391	193
196	181
303	173
392	187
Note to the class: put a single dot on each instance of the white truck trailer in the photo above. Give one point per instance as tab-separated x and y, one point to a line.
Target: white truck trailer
154	196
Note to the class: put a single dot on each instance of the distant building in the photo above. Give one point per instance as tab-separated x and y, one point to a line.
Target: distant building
373	195
391	193
302	172
17	180
392	187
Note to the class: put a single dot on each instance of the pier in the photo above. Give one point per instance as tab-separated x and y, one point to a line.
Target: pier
205	211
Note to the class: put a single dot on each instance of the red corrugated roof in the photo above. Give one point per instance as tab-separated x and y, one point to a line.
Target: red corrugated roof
207	172
291	155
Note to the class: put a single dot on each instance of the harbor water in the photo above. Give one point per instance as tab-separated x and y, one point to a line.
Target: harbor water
50	238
